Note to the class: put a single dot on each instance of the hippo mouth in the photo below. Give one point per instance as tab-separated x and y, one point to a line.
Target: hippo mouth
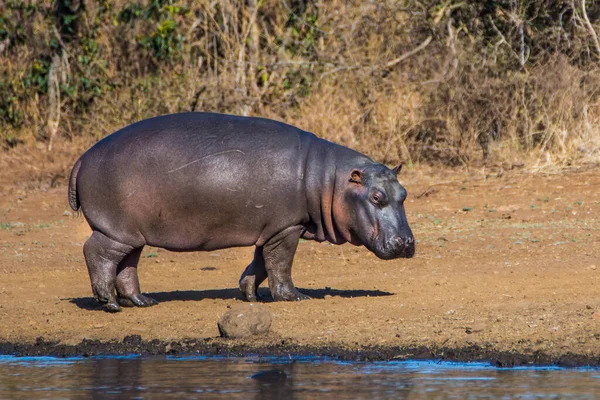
395	247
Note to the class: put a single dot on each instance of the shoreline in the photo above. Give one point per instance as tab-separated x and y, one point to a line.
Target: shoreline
211	347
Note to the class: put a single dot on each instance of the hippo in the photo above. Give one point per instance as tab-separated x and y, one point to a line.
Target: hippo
206	181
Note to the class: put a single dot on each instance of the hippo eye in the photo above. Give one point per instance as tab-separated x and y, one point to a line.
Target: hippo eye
378	199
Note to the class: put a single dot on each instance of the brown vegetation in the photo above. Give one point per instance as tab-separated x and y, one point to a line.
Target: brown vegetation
422	81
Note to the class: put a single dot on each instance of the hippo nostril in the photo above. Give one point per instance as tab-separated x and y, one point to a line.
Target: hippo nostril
399	241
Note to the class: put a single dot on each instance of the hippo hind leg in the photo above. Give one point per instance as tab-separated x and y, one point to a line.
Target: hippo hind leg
102	256
128	284
253	276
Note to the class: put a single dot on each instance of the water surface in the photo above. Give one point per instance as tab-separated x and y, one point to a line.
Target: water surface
163	377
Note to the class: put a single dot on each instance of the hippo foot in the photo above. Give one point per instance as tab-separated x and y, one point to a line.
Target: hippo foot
289	295
253	297
109	303
137	300
111	306
249	289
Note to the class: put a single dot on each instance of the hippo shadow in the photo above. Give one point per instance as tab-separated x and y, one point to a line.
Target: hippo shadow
327	291
89	303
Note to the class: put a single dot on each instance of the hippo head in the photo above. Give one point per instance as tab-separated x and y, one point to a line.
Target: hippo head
373	201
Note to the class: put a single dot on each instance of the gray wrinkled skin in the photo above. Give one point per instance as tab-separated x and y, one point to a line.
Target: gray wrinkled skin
202	182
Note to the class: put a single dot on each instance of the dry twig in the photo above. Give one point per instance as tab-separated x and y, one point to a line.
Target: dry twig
590	28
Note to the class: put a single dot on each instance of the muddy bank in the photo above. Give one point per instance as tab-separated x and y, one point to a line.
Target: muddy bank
134	344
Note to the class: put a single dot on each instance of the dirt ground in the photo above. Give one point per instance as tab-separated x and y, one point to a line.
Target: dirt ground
507	263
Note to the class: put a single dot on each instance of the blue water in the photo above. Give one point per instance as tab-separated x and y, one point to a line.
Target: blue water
134	377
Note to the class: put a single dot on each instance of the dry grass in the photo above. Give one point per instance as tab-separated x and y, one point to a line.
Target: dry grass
436	82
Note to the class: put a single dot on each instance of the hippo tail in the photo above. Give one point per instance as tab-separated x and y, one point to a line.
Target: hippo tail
73	199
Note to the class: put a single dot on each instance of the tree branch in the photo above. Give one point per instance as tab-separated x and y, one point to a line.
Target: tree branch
590	28
404	56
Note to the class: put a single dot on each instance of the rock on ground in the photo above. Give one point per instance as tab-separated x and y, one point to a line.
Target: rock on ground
244	320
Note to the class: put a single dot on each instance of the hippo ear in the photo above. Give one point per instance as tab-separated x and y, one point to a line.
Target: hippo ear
356	176
396	170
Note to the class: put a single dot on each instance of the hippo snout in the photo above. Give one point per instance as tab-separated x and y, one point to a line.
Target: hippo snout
397	247
404	247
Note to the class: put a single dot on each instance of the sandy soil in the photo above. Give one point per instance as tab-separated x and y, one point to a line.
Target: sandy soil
507	263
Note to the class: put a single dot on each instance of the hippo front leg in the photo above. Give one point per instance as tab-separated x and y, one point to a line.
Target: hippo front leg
278	254
253	276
